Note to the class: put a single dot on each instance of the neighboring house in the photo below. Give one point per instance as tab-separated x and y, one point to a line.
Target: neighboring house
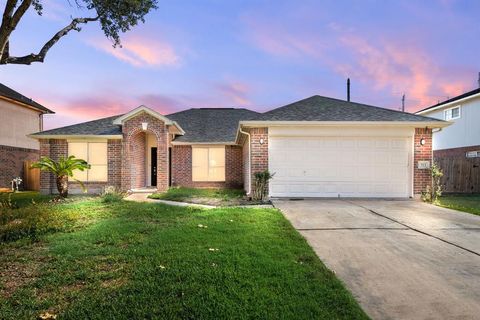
19	116
457	148
317	147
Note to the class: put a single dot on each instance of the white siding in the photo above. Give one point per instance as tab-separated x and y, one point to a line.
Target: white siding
464	132
15	123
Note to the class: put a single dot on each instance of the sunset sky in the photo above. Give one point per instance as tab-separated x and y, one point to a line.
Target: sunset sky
253	54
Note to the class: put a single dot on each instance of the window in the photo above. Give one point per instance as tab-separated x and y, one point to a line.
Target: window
95	153
208	163
452	113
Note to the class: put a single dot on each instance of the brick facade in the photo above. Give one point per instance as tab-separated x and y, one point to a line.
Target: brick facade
182	168
115	163
422	177
454	152
54	149
258	153
132	175
11	163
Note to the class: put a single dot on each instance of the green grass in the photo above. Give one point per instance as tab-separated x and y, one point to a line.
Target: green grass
23	198
466	203
205	196
144	260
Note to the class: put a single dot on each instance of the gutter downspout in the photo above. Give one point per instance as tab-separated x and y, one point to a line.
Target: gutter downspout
249	162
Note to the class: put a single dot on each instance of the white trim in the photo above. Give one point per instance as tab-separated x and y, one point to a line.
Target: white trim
459	101
451	108
75	136
412	124
249	161
151	112
181	143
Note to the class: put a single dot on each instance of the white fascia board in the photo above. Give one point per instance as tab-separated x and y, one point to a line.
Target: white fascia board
414	124
142	108
448	104
181	143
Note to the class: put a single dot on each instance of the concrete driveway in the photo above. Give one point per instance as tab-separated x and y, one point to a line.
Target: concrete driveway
400	259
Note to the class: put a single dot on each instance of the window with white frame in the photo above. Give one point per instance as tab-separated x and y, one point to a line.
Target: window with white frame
208	163
452	113
96	154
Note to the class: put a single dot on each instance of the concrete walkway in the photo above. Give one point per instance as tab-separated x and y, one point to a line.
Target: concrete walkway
400	259
143	197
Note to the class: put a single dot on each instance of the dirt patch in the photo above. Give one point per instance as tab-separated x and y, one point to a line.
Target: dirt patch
20	266
224	202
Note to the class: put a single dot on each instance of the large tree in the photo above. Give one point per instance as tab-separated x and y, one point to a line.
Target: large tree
114	16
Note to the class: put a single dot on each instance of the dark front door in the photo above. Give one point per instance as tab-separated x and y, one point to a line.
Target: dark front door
154	167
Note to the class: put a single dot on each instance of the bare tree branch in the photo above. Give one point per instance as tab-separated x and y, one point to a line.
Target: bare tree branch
40	56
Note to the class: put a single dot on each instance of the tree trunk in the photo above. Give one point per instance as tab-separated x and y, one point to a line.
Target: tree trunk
62	186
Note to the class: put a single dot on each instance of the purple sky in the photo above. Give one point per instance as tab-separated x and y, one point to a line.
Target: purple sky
253	54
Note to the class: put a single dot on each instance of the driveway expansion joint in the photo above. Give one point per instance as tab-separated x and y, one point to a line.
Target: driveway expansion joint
415	229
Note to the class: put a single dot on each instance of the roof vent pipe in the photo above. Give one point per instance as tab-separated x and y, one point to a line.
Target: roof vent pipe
478	80
348	89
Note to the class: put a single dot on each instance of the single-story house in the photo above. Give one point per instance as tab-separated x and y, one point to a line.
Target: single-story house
317	147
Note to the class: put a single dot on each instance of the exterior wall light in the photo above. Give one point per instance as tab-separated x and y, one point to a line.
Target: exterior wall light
422	141
261	141
144	126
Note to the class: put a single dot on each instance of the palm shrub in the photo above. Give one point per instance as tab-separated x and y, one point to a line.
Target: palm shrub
62	169
261	185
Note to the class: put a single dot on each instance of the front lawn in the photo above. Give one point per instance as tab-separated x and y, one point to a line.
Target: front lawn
216	197
466	203
145	260
23	198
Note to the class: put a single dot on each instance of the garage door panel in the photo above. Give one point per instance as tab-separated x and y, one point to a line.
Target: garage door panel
345	166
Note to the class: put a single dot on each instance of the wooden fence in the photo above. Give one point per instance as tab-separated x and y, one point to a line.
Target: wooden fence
31	177
460	174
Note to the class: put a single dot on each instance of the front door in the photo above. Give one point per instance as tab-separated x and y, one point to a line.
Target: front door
154	166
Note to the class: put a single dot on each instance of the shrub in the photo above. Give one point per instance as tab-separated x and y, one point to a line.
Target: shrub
112	194
261	185
432	193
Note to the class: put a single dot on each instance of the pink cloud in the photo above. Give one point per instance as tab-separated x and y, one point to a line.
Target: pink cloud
395	66
140	51
236	92
80	109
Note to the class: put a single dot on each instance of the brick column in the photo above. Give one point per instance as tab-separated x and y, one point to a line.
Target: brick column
258	152
422	177
114	148
54	149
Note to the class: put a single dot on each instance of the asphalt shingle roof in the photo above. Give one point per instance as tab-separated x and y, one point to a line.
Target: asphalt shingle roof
102	126
318	108
210	124
463	95
14	95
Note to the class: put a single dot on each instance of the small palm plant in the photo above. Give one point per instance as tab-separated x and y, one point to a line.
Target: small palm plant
62	169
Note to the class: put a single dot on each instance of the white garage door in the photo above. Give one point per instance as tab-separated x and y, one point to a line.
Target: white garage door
340	166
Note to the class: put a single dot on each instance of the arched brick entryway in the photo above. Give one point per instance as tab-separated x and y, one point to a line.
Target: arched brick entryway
134	151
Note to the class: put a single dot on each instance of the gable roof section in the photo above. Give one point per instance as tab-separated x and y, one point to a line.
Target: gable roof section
100	127
318	108
11	94
210	125
454	99
153	113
